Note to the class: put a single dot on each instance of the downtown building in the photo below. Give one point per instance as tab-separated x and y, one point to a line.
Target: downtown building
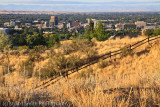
53	21
140	24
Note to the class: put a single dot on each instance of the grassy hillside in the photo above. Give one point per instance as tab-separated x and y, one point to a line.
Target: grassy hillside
132	80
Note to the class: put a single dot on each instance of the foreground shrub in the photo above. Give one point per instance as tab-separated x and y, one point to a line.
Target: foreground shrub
126	51
47	72
7	68
39	48
14	52
90	53
76	45
50	52
24	52
86	74
59	61
59	65
102	64
74	61
27	67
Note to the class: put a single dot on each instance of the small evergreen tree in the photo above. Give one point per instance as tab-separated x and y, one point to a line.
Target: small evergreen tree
91	26
100	32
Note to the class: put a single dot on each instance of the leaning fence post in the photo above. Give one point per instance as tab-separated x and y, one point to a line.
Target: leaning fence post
110	54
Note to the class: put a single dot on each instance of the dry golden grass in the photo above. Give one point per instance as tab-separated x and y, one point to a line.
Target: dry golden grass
142	70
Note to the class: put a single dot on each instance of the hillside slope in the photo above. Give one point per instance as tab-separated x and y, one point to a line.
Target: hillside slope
133	80
140	72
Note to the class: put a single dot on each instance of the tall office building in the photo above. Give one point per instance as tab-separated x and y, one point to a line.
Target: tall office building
53	21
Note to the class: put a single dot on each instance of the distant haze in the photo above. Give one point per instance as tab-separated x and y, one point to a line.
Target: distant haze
81	5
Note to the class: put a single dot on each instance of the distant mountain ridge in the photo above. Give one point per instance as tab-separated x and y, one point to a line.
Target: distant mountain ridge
59	12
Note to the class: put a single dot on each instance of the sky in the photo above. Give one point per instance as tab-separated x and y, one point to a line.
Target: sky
81	5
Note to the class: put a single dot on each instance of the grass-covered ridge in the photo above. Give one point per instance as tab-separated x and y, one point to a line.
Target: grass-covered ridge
88	87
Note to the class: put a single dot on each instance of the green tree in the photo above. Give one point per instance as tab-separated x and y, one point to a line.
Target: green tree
91	26
89	33
100	32
148	32
35	39
53	40
21	40
157	31
5	41
67	36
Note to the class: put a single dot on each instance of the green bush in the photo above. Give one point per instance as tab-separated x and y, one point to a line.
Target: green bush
126	51
5	41
157	32
58	65
27	67
90	53
74	61
47	72
35	56
52	52
14	52
20	48
39	48
59	61
67	49
76	45
102	64
86	74
24	52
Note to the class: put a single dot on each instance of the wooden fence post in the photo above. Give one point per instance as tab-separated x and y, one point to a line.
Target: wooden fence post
148	39
130	47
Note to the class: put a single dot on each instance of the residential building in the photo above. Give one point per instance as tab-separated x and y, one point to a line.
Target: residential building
75	23
68	25
143	32
6	24
36	21
18	21
17	28
4	30
119	26
129	26
60	25
85	25
149	27
94	21
47	32
45	24
12	23
158	26
28	24
140	24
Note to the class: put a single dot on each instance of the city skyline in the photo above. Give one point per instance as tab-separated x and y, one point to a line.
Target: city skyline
81	5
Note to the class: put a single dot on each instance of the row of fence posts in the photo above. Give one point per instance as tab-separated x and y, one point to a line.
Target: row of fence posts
110	53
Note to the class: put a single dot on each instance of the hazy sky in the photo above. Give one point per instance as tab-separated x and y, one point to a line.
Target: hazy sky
81	5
